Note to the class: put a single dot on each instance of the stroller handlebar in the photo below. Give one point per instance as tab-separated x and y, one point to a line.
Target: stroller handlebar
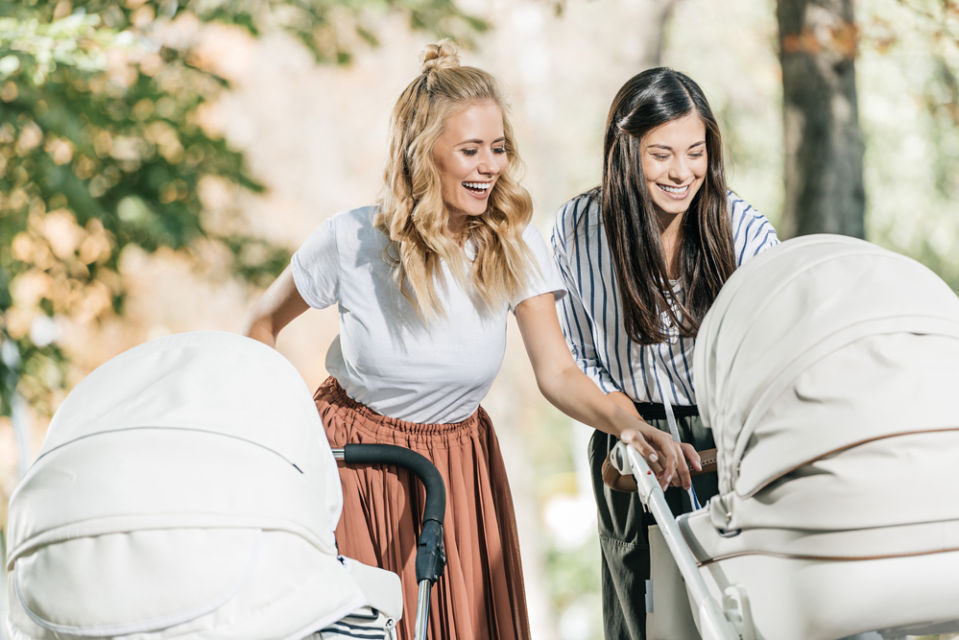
430	555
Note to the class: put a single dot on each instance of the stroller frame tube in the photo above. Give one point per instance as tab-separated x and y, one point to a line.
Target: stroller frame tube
422	610
713	624
430	554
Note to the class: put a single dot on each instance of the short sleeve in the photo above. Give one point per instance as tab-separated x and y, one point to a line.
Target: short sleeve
544	278
315	267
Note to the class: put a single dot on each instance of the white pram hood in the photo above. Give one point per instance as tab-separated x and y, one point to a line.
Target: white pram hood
827	369
185	487
791	368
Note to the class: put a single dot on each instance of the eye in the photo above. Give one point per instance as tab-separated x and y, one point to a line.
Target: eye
499	150
661	156
697	154
469	152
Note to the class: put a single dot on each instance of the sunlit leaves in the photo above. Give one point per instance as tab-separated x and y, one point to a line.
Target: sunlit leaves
103	146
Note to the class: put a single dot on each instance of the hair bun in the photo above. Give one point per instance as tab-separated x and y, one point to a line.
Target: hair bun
440	55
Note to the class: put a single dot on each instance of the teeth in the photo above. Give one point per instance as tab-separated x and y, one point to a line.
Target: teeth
478	185
673	189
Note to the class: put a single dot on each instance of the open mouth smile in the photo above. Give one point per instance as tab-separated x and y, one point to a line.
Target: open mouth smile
478	189
674	192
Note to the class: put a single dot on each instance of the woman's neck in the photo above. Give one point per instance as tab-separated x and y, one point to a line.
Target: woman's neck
456	230
671	239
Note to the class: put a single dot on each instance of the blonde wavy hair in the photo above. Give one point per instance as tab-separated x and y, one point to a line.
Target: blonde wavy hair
411	209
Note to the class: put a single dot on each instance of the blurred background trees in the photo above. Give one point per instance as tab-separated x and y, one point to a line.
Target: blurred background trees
104	149
824	191
160	160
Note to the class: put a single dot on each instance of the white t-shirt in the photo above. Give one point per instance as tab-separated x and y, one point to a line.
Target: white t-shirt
385	357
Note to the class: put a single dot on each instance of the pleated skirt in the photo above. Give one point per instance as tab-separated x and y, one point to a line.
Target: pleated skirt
481	593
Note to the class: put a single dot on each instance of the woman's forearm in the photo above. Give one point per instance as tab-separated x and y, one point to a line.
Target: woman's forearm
278	305
260	328
573	393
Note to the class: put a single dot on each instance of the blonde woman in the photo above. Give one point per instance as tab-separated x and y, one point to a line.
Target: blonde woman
424	281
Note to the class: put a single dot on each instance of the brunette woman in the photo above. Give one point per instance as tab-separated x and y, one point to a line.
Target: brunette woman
643	257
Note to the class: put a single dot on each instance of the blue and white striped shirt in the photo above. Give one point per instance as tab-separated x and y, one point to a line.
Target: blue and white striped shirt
590	315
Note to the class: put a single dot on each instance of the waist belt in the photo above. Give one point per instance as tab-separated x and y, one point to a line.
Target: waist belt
657	410
708	460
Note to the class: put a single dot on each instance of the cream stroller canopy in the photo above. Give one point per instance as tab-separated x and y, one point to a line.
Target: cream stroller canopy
827	368
185	488
822	344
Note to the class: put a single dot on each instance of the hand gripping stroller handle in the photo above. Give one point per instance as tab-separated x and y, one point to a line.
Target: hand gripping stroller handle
430	555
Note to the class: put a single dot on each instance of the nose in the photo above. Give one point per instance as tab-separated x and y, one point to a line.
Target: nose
679	169
487	164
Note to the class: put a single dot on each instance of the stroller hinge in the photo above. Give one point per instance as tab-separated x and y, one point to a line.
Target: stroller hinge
737	611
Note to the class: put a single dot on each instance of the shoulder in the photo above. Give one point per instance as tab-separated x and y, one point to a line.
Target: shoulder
738	207
342	234
355	227
743	213
576	217
752	231
360	218
534	239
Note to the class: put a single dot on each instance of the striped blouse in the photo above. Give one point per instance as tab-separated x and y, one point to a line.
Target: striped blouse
590	316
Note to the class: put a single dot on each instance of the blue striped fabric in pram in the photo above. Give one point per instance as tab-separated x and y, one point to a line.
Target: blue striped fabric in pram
363	624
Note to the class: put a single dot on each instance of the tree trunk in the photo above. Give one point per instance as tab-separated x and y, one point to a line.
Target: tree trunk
823	143
651	30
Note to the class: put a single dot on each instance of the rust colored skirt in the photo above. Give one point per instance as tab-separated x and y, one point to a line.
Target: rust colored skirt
481	593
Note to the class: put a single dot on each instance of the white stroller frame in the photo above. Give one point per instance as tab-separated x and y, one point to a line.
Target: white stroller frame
839	403
185	489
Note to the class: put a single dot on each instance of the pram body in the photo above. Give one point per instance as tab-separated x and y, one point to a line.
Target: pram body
827	369
185	489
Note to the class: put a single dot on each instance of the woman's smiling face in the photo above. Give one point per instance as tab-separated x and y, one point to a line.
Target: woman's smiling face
675	163
470	155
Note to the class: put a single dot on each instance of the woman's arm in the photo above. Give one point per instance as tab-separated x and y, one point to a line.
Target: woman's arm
573	393
574	320
273	310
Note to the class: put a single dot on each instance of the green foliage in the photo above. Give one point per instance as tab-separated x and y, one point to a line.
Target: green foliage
103	147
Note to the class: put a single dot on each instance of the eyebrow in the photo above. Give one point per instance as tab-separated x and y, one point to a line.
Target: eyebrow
668	148
478	141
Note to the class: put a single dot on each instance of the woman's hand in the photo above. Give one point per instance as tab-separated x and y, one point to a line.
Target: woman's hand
667	458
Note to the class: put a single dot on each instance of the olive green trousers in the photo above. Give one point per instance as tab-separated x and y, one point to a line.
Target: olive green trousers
623	524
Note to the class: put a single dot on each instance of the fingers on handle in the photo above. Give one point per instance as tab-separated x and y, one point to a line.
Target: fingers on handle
671	462
692	456
638	442
685	480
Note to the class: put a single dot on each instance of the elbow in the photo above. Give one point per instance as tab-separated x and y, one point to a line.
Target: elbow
552	388
545	390
260	327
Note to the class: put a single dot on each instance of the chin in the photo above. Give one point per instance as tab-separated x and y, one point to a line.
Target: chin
672	208
475	213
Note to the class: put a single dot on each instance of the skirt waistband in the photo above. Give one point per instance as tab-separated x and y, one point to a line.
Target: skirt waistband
332	391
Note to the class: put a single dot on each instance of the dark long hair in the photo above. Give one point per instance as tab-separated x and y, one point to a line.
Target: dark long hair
647	100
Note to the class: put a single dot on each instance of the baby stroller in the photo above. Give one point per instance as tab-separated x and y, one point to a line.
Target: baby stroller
828	370
185	489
